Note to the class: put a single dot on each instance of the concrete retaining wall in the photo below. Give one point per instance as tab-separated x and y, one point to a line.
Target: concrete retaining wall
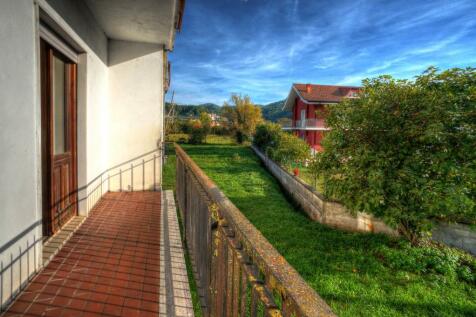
319	209
336	215
456	235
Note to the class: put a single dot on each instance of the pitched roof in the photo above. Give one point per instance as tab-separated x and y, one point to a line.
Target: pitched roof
325	93
319	94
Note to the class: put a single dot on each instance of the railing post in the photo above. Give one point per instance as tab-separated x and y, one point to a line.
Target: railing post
120	180
155	183
1	286
34	252
143	175
11	276
132	177
19	262
28	258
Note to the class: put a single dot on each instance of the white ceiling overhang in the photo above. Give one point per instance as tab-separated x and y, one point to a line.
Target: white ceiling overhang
147	21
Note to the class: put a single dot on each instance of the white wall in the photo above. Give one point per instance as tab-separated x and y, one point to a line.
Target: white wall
20	184
120	104
120	116
136	102
75	20
135	98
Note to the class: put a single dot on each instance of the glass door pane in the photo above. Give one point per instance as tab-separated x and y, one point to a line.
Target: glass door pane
59	109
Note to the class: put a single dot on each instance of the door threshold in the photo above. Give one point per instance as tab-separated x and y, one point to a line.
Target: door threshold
54	243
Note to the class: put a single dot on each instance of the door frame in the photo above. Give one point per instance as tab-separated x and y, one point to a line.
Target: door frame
47	51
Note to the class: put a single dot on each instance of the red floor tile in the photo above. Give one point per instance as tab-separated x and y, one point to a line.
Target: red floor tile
109	267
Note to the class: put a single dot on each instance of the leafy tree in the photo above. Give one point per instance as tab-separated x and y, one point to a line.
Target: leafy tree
197	133
290	150
206	122
242	116
267	136
282	147
199	129
405	150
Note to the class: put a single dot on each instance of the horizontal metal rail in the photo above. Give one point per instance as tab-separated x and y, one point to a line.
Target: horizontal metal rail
318	124
239	273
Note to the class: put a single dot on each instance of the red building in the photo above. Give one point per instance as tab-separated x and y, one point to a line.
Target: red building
307	103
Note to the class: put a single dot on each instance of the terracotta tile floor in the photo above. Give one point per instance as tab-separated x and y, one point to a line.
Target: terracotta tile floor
109	267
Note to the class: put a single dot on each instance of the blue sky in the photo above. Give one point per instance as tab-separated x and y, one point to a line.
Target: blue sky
260	47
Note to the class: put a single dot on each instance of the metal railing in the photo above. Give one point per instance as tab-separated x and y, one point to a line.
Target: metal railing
239	273
311	124
19	257
137	174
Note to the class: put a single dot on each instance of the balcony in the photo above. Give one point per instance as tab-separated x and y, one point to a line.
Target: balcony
126	258
307	124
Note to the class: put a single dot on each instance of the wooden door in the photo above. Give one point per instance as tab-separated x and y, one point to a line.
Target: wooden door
59	160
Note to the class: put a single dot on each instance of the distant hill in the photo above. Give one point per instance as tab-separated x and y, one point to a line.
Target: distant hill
273	111
191	111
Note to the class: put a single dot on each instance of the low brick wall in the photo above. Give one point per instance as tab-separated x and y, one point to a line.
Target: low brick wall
318	208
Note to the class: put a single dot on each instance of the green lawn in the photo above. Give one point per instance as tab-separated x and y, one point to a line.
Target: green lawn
168	177
308	178
342	267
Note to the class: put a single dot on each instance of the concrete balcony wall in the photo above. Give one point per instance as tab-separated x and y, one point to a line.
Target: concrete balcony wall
20	182
120	105
73	20
136	104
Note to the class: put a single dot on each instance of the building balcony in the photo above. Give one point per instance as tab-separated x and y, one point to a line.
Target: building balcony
125	258
307	124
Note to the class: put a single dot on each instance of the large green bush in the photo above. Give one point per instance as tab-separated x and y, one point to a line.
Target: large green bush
281	146
405	151
267	135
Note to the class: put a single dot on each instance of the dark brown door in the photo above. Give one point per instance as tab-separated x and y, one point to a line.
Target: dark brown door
59	160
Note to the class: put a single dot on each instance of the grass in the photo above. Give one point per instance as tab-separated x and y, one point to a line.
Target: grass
211	138
308	178
168	177
342	267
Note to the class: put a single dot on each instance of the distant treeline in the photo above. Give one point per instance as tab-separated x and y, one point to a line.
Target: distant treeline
271	112
193	111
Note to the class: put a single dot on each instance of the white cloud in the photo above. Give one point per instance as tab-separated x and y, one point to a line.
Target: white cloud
261	48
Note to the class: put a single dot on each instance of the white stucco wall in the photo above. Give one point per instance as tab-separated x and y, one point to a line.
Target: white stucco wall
97	129
120	116
136	100
93	101
20	185
120	103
